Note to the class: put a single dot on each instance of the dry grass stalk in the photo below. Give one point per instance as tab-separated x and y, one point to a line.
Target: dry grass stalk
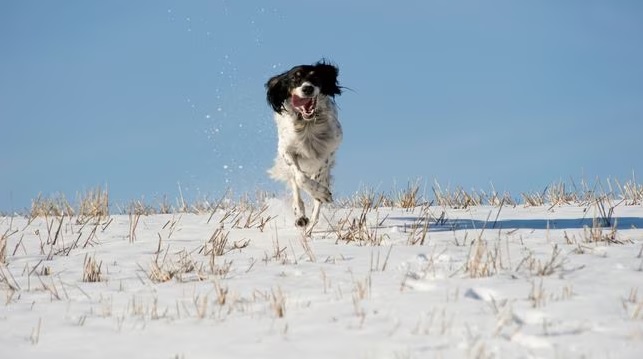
221	292
303	240
8	279
4	239
458	199
367	196
92	270
216	245
558	195
351	229
35	333
409	198
55	206
597	234
133	223
254	219
535	199
543	268
419	230
537	295
631	192
139	207
94	204
483	261
278	303
165	270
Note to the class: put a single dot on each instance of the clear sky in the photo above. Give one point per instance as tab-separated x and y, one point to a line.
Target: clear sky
140	96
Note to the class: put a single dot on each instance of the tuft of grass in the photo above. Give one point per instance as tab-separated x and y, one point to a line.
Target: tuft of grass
543	268
357	229
409	197
558	195
278	303
457	199
94	204
534	199
163	270
54	206
483	261
92	270
4	239
631	192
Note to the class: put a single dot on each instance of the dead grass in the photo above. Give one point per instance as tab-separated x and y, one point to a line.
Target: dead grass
92	270
409	197
357	229
456	199
278	303
542	267
482	260
631	192
4	240
94	204
165	269
54	206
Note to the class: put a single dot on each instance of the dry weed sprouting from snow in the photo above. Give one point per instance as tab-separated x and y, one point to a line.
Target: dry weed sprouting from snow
367	196
457	199
409	197
558	195
92	270
278	303
542	267
483	261
632	305
534	199
55	206
165	269
4	239
133	223
631	192
94	204
357	229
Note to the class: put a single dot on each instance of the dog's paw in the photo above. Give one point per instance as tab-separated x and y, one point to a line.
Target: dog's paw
301	221
324	195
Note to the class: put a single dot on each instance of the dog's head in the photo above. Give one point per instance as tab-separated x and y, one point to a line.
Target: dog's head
300	87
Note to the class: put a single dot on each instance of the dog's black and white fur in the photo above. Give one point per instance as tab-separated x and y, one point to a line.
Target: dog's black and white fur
303	99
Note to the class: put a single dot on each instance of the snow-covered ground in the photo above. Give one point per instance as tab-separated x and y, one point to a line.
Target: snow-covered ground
481	282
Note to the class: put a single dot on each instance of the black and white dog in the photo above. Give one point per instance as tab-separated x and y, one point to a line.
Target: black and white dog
303	99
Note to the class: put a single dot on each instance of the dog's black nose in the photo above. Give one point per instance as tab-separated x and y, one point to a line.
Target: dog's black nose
307	90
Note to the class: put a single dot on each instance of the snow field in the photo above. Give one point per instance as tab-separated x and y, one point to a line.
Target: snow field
482	282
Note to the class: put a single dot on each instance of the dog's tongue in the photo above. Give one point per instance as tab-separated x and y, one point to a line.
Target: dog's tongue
301	101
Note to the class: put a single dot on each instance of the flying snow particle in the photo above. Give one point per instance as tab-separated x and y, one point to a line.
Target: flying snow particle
225	167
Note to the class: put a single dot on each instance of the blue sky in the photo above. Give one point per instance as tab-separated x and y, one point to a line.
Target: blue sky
140	96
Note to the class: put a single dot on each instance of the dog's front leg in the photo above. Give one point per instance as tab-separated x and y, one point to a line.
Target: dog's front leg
317	190
314	217
298	205
296	184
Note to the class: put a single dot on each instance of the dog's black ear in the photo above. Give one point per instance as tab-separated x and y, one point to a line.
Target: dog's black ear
328	76
277	92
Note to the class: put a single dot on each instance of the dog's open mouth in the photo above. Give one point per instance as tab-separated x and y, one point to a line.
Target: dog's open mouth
304	105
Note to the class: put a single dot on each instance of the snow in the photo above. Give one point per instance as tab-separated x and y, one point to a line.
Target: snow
531	282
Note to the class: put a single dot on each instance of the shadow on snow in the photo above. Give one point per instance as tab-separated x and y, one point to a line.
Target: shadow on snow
557	223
